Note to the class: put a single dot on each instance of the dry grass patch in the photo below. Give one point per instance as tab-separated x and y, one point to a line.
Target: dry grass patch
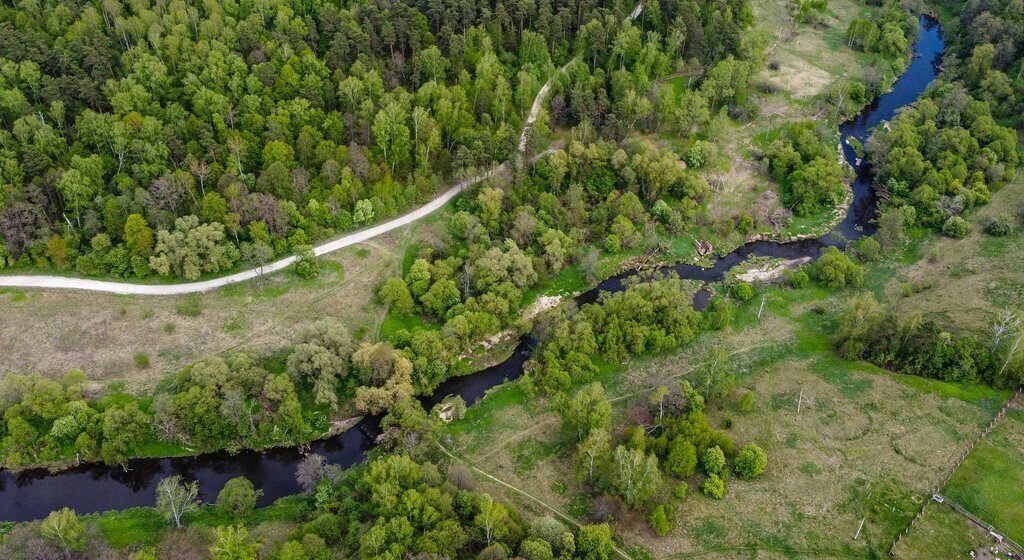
50	332
973	278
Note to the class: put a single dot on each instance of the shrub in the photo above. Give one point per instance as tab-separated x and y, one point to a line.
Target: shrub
868	248
746	224
141	360
751	462
742	291
1000	226
956	227
798	279
680	490
747	402
306	264
612	243
713	487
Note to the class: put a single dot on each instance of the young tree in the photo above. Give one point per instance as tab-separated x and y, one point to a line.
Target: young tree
682	458
492	519
585	411
64	530
713	486
232	543
594	542
592	449
175	498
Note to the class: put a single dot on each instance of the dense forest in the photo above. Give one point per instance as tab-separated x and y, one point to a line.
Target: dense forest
184	140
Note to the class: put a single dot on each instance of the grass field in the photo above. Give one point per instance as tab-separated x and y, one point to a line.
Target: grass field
50	332
970	279
940	533
990	482
866	444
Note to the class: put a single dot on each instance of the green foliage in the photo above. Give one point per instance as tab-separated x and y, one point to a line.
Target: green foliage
868	249
661	519
238	497
713	487
750	462
805	166
956	227
742	291
1000	225
713	460
637	475
141	360
746	403
836	270
64	530
306	264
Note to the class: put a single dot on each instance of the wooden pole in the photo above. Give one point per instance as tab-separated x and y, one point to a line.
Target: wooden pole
800	401
859	528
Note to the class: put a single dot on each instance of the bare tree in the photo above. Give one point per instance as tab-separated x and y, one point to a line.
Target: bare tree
313	469
175	498
1005	324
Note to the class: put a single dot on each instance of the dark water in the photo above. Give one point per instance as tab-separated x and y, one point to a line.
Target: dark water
33	494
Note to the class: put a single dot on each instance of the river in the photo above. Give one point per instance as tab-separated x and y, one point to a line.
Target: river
32	494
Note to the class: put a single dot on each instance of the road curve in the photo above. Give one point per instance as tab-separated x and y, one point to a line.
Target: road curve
128	288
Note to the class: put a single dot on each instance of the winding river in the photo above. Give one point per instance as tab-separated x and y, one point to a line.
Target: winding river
32	494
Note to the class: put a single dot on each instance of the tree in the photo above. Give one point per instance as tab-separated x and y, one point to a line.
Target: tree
124	429
175	498
585	411
395	294
232	543
835	270
713	460
138	236
682	458
594	542
637	475
492	519
65	530
238	497
750	462
596	446
306	264
313	469
392	134
192	249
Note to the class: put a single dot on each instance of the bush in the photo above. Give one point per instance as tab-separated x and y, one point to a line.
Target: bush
747	402
238	497
751	462
713	460
798	279
306	264
141	360
661	519
868	249
956	227
680	490
742	291
835	270
713	487
746	224
612	243
1000	226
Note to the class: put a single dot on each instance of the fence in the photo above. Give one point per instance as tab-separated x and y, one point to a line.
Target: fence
935	491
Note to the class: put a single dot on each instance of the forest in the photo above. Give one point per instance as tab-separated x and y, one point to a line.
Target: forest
173	141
